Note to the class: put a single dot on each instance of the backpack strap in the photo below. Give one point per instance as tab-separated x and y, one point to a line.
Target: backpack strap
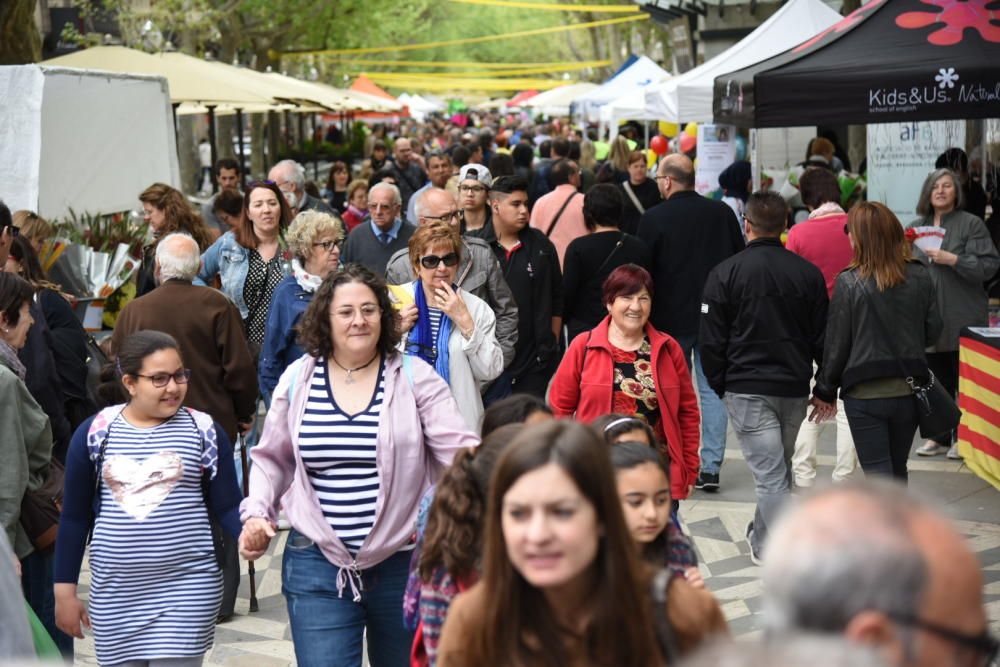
631	195
665	635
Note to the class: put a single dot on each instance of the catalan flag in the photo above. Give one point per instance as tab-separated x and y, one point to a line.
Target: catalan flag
979	399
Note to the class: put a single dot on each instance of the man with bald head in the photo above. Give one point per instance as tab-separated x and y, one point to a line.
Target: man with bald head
478	269
688	236
408	174
867	561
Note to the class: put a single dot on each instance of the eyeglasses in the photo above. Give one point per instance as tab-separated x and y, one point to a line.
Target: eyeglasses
433	261
443	218
329	245
660	178
470	189
369	312
161	380
984	644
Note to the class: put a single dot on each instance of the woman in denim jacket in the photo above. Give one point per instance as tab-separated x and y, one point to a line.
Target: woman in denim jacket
251	260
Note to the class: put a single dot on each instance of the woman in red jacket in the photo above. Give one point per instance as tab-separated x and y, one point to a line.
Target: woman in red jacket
624	365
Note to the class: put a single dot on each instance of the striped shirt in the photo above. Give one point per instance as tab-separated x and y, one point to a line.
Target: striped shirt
339	452
434	316
155	587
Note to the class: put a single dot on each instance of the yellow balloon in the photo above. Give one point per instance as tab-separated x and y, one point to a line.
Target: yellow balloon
650	159
668	129
691	129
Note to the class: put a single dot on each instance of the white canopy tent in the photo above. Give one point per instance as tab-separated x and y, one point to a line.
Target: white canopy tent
688	97
641	74
556	102
419	106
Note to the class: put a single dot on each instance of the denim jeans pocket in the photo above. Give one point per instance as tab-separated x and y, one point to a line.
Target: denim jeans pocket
744	411
297	541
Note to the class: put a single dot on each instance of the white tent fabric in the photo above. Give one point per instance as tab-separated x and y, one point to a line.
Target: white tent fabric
643	73
555	102
688	97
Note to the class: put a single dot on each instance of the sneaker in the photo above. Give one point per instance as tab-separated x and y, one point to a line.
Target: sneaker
953	453
931	448
754	557
707	481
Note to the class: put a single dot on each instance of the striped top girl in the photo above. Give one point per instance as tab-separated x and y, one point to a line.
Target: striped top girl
155	584
338	451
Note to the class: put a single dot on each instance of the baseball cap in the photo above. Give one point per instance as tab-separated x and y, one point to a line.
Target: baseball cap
475	172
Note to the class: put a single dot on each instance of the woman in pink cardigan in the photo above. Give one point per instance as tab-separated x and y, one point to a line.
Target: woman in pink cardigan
624	365
355	435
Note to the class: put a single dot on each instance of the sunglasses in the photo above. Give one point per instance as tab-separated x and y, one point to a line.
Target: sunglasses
433	261
161	380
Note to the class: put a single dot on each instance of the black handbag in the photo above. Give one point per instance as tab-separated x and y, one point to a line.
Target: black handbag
937	412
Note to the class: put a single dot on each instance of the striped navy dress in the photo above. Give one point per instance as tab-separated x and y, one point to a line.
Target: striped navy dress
155	586
338	451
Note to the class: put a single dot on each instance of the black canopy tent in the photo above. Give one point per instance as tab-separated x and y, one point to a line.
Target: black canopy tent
888	61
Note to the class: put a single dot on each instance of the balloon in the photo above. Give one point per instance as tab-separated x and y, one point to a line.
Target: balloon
741	147
688	143
691	129
658	144
650	159
668	129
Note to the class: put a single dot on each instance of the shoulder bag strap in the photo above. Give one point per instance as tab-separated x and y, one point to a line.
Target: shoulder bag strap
631	195
560	212
621	241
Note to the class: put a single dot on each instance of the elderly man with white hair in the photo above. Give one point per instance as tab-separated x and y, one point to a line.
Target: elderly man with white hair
868	562
386	233
290	177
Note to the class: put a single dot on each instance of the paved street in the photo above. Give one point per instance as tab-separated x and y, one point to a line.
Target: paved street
717	523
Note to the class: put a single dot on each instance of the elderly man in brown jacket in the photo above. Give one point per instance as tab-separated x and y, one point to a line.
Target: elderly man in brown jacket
209	330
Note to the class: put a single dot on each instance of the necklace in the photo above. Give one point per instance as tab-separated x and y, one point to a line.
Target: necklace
351	380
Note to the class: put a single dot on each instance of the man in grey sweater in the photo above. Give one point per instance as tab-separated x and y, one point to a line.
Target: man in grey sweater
373	244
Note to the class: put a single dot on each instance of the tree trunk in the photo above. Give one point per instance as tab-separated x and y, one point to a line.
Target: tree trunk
20	42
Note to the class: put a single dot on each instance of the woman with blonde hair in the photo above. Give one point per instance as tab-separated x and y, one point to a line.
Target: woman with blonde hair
883	286
166	210
36	229
315	240
615	168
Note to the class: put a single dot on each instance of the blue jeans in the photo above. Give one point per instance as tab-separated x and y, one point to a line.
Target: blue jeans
328	628
36	581
714	419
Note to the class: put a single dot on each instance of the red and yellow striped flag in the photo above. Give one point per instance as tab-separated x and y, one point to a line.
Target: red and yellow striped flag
979	399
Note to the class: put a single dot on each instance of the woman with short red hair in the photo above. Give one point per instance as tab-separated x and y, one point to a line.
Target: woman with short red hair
624	365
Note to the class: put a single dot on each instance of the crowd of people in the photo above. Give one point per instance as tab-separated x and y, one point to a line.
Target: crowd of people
475	377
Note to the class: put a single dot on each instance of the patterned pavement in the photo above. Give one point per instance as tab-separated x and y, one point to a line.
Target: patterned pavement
715	521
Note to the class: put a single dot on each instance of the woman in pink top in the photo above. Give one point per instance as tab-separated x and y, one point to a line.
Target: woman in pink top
822	239
355	435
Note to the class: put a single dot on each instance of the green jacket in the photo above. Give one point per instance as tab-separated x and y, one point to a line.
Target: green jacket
25	450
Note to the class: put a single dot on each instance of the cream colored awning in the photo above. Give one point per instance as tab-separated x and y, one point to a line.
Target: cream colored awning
191	80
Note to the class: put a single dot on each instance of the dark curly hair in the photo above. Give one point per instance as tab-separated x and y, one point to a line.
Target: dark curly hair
315	336
454	535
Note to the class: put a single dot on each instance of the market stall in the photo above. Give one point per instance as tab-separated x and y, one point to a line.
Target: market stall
979	399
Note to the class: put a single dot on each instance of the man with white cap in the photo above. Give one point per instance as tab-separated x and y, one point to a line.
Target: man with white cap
474	182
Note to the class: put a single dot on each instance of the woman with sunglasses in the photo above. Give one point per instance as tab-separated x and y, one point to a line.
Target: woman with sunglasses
356	434
449	328
141	478
315	240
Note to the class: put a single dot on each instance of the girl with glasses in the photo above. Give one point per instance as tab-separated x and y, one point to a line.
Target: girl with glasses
356	434
141	478
446	326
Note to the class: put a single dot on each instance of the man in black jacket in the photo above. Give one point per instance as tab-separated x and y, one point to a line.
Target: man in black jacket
762	324
688	235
